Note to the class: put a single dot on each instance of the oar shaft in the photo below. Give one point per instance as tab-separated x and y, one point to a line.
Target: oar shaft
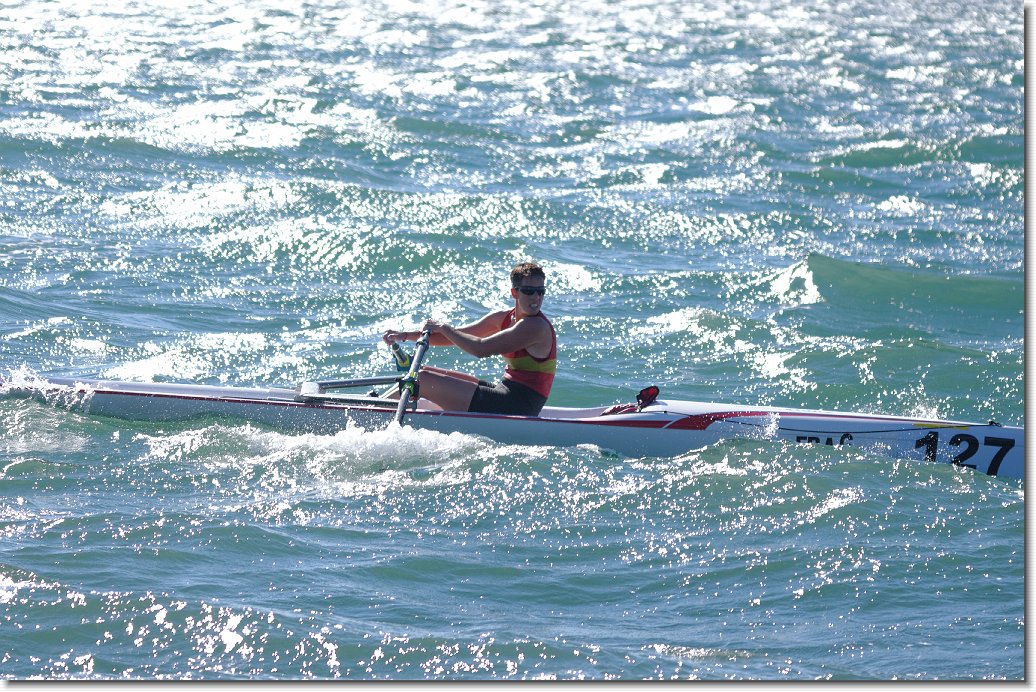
409	383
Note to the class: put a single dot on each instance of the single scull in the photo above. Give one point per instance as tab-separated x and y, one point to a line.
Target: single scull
652	427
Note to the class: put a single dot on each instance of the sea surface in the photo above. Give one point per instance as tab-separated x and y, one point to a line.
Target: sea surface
786	202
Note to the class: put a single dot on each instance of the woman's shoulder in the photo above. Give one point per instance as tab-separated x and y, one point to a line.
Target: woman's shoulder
538	322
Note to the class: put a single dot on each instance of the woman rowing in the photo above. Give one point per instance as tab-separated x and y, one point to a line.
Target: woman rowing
522	335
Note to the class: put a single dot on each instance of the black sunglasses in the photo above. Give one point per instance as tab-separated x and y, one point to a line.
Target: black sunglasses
532	290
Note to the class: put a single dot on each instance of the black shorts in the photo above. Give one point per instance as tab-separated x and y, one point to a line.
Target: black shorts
507	397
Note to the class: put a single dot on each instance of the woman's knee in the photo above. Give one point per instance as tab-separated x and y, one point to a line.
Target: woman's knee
449	392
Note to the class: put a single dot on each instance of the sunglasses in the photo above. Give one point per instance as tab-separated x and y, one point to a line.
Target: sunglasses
532	290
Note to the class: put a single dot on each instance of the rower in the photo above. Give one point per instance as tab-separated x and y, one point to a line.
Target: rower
522	335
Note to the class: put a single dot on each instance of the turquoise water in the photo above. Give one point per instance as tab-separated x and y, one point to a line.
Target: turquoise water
805	204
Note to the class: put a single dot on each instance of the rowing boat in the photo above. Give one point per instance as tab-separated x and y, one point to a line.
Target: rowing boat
652	427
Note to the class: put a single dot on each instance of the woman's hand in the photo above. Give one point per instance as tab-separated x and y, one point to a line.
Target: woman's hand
433	326
392	336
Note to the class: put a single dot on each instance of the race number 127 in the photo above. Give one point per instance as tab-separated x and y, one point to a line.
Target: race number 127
970	444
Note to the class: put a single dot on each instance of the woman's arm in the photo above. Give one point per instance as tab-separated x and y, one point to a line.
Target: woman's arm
480	328
534	334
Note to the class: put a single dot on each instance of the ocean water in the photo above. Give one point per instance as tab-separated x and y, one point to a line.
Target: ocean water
813	204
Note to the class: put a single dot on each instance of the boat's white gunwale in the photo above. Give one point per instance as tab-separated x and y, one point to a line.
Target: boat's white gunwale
645	419
665	428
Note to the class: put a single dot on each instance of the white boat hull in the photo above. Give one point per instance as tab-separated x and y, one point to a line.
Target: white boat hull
662	429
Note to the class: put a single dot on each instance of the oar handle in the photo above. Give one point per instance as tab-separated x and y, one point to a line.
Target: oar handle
408	384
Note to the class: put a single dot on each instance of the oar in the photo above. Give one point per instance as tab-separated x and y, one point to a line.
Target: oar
409	383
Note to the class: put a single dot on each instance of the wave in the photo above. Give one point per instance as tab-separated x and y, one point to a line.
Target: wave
967	303
862	297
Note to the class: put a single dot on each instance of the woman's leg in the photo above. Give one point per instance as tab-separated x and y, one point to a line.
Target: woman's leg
450	390
451	373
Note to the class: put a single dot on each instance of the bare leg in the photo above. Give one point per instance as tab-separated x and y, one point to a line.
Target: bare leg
449	389
451	373
445	389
